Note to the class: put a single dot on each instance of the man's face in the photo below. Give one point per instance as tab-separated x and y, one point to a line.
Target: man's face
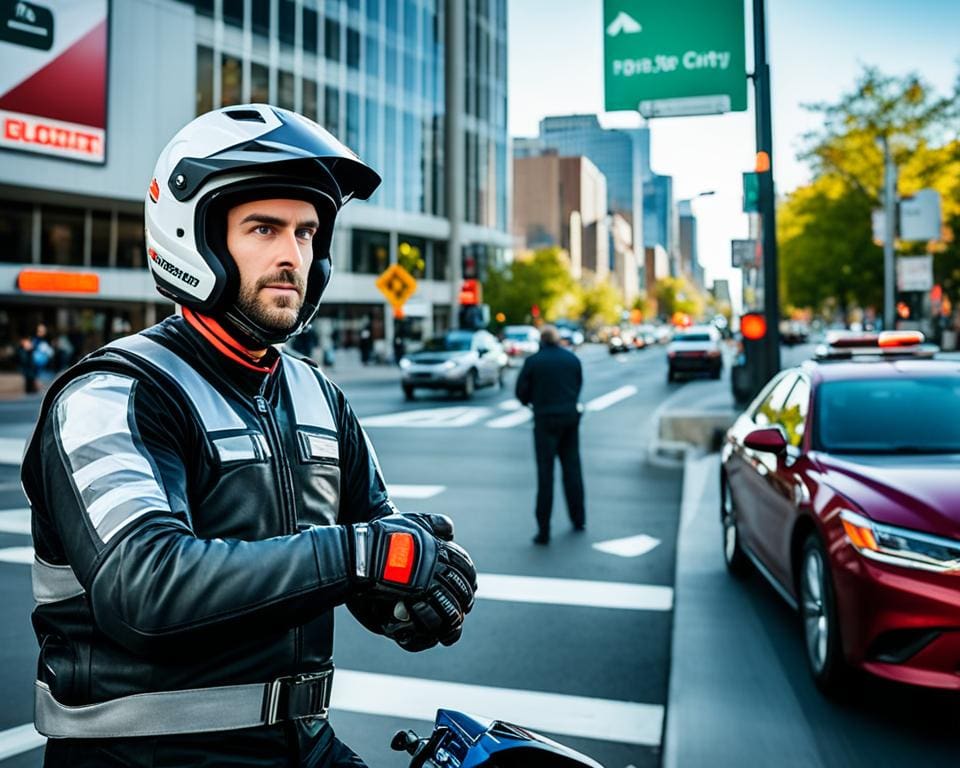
272	243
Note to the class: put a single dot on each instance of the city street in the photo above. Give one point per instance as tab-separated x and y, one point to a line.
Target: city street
586	663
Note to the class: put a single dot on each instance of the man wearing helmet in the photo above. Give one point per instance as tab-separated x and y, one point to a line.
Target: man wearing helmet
201	502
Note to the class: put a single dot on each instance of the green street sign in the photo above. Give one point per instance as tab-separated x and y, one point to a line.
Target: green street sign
684	57
751	192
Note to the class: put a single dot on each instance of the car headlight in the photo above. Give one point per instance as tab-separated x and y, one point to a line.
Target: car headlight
900	546
404	363
449	365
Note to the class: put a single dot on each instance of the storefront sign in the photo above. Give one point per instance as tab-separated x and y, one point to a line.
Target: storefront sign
53	82
54	281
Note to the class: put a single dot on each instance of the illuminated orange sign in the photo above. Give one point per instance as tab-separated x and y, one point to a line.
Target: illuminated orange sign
52	281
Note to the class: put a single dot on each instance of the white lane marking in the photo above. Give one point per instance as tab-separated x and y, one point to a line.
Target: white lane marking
579	592
511	419
630	546
415	491
15	521
19	555
23	738
429	417
611	398
511	405
579	716
11	450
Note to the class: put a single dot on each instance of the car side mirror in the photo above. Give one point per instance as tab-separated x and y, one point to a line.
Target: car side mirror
767	440
482	352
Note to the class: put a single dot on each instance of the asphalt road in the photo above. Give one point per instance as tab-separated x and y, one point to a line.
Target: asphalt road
586	663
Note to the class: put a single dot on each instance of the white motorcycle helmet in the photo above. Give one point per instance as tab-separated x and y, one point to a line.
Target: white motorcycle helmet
228	157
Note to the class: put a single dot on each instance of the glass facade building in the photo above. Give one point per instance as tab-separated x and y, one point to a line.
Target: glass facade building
416	87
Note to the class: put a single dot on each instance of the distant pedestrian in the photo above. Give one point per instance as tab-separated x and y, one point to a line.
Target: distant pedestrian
366	344
550	381
28	368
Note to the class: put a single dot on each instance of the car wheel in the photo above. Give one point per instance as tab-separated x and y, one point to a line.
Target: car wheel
821	626
469	385
737	562
407	392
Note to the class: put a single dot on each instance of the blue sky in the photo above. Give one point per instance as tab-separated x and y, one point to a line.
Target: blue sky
816	49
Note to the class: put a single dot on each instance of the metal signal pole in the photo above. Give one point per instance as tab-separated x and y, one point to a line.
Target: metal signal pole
767	200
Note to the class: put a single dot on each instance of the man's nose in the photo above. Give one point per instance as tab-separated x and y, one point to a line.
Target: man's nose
289	254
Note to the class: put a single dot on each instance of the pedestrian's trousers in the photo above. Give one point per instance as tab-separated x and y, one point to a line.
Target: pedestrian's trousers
558	436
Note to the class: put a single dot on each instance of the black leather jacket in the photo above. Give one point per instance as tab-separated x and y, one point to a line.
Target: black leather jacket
174	553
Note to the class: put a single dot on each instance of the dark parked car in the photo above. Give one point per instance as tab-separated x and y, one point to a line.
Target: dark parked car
839	484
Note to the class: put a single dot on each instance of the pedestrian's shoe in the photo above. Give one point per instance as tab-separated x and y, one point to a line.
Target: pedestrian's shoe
541	538
579	527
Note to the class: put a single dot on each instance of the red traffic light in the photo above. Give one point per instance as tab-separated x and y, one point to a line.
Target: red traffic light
753	326
470	292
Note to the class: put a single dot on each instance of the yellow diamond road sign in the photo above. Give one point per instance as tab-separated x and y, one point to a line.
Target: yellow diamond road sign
397	285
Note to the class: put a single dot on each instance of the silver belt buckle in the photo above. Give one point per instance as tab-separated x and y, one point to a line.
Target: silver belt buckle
273	695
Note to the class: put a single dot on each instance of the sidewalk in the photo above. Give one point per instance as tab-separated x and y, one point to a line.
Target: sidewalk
730	703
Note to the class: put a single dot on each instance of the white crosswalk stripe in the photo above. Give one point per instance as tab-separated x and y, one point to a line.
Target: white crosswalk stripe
629	546
581	716
23	738
611	398
574	592
414	491
511	419
11	450
15	521
18	555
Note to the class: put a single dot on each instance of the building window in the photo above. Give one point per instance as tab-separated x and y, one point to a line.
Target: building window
353	121
439	266
285	88
371	56
259	83
331	109
371	142
287	19
391	64
16	232
204	79
230	78
392	7
130	246
310	30
61	239
260	18
331	40
310	98
353	48
412	255
100	239
233	13
373	10
370	254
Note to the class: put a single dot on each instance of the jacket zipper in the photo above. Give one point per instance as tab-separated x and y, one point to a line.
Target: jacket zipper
288	506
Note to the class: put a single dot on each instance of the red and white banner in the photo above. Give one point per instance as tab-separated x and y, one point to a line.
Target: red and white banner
53	78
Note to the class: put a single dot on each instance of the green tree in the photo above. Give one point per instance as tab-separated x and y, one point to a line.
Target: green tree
600	303
540	278
677	294
826	249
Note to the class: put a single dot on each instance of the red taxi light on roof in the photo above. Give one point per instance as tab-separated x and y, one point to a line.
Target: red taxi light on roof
900	339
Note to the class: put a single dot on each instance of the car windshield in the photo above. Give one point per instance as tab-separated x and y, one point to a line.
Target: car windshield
452	342
890	416
520	335
692	337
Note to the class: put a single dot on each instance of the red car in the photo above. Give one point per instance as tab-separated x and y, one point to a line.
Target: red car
840	485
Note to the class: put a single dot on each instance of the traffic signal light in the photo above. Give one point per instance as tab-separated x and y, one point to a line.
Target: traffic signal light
747	375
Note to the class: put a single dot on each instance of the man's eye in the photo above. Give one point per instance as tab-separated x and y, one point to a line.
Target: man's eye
305	234
263	229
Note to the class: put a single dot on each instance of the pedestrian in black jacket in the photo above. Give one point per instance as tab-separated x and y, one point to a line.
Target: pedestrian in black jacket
550	383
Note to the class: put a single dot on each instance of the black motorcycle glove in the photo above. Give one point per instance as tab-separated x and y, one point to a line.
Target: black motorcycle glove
419	621
393	557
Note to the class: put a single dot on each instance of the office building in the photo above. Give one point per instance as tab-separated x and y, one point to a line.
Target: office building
416	87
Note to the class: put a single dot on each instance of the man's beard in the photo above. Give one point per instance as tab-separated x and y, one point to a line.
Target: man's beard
280	313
